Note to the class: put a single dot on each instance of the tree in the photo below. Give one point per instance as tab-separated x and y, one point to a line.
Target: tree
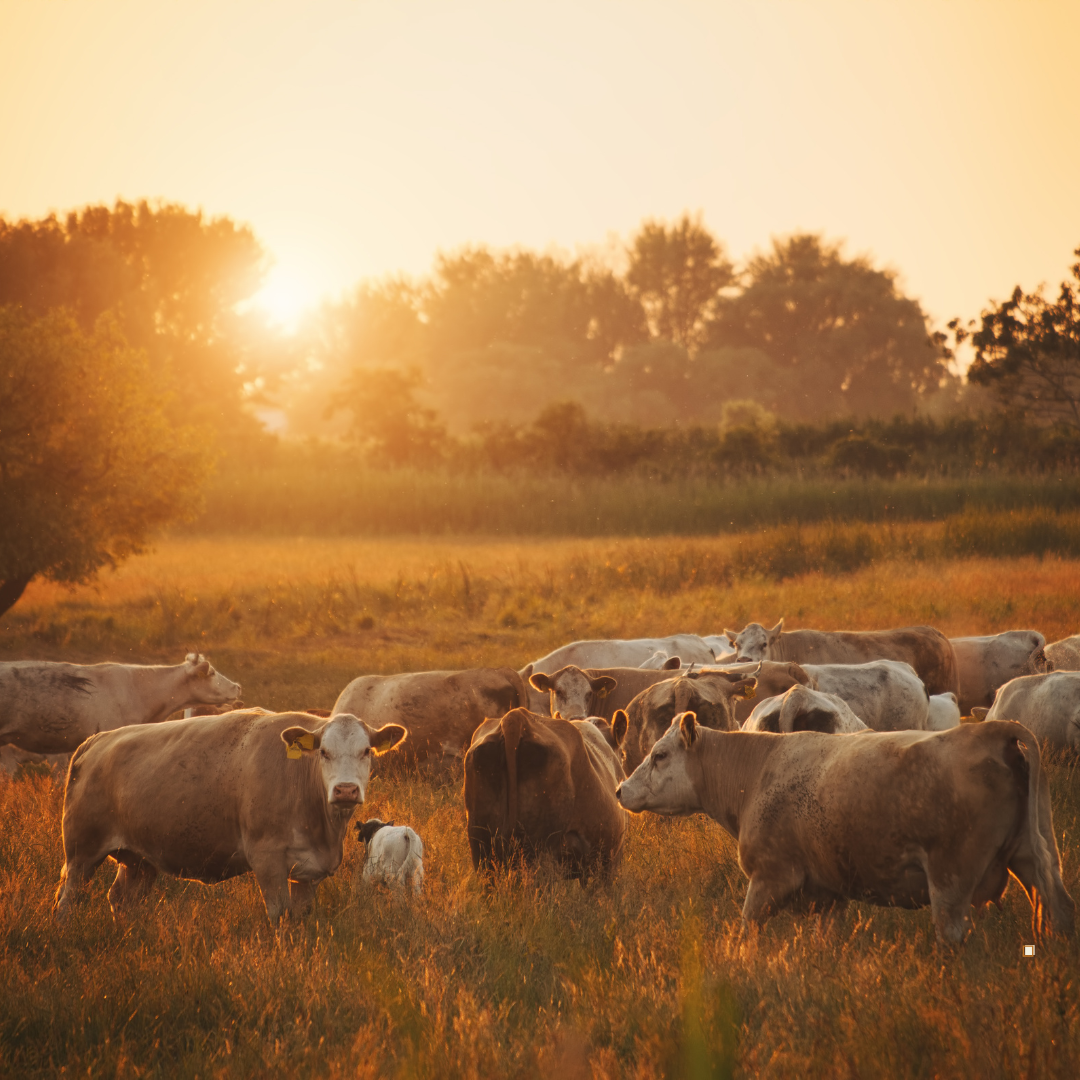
843	337
678	273
90	465
1027	351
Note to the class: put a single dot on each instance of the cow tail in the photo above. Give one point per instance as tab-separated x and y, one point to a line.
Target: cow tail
520	690
511	731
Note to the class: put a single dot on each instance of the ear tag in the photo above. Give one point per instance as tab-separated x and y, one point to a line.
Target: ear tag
750	690
306	741
602	693
294	752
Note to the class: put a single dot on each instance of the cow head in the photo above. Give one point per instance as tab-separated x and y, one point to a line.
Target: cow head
342	748
205	686
574	695
662	783
755	642
369	828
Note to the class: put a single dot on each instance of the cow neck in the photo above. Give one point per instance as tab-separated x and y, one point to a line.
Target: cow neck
777	651
730	763
310	792
158	689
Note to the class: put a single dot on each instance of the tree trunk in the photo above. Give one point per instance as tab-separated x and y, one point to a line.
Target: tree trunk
11	590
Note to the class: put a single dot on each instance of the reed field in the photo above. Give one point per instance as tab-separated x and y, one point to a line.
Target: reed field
647	975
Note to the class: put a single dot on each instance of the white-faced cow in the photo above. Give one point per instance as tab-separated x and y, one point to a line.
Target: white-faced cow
536	785
1064	655
575	693
1047	704
803	709
821	820
927	650
50	708
439	709
985	663
395	855
216	796
885	695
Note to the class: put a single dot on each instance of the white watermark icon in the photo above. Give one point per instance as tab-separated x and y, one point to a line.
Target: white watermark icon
1029	950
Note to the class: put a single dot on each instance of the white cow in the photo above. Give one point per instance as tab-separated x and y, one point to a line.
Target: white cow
943	712
985	663
395	855
1064	654
51	708
1047	704
886	695
803	709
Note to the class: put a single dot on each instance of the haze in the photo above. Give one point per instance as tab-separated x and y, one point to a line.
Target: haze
357	139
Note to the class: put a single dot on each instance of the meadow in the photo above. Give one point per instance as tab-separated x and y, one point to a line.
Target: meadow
649	975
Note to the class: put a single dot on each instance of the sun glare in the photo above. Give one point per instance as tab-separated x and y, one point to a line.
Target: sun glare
285	298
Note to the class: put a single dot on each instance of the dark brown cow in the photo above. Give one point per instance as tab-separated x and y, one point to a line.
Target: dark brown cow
534	784
709	694
927	650
574	693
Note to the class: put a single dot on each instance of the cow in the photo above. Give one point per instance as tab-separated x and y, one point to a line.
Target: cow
439	709
216	796
803	709
927	650
49	708
574	693
711	694
885	695
1047	704
985	663
1064	654
395	855
773	679
942	712
536	785
821	820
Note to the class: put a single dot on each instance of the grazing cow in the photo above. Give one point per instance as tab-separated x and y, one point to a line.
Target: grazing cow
439	709
1064	655
534	784
927	650
216	796
1047	704
574	694
395	855
711	694
900	818
50	708
942	712
885	695
803	709
773	679
985	663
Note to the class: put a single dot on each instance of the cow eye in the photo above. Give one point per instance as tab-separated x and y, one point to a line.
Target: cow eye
323	753
367	752
659	757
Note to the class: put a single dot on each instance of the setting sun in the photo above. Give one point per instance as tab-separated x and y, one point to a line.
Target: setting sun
285	297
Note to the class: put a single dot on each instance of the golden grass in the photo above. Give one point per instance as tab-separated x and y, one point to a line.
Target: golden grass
648	976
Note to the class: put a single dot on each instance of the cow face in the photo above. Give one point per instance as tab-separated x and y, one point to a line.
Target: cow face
573	694
662	782
207	686
753	644
343	748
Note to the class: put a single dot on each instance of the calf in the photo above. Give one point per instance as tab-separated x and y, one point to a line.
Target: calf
395	855
216	796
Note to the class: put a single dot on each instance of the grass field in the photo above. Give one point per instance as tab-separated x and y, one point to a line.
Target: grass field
650	975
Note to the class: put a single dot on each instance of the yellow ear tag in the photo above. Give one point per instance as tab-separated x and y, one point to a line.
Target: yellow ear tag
602	694
306	741
750	690
294	752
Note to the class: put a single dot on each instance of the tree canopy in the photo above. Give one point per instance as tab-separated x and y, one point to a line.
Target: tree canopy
90	465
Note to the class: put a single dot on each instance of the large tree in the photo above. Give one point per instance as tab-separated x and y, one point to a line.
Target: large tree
1027	350
90	465
842	337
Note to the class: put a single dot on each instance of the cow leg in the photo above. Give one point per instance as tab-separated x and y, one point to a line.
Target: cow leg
133	881
73	878
273	878
301	896
951	911
766	895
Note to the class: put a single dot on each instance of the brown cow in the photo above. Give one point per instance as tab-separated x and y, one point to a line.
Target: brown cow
927	650
574	693
439	709
216	796
534	784
773	679
899	818
709	694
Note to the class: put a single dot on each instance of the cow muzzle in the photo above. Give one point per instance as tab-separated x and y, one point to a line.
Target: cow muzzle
346	793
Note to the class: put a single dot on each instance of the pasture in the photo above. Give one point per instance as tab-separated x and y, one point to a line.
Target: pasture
648	975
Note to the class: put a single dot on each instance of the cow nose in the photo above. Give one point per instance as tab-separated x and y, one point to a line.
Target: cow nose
345	793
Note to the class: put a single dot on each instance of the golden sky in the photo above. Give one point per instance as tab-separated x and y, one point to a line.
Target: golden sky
358	138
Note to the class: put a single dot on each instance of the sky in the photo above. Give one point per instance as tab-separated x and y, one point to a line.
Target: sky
358	139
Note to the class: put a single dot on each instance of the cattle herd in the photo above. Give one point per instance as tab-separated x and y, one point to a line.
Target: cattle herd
898	767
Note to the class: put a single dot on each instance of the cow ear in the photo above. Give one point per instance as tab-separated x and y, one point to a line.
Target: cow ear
979	713
688	728
540	682
731	635
747	688
386	737
603	686
774	633
620	722
673	663
801	676
202	670
300	741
